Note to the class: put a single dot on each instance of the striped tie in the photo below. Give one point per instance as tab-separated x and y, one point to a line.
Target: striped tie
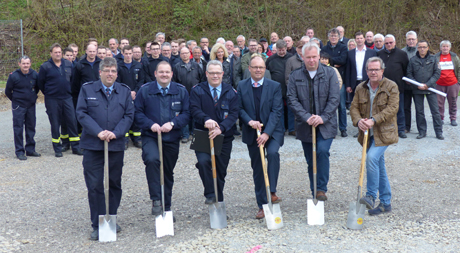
214	94
107	91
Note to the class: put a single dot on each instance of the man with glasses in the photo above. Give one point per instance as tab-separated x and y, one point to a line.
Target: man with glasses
396	62
261	107
214	108
246	57
424	68
151	64
378	42
374	109
105	110
338	53
204	44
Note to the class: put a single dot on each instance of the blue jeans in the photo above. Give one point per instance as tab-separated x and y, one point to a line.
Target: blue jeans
400	116
187	129
322	161
342	109
377	179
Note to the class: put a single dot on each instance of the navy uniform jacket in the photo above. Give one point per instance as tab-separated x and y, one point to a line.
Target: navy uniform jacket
150	66
54	82
225	113
149	110
96	112
83	72
22	89
271	110
133	77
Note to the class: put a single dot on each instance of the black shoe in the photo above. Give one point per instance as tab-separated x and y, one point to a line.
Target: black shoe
77	152
356	135
118	229
156	207
344	133
126	146
184	140
22	157
35	154
138	144
58	154
421	135
210	200
402	135
65	148
94	235
439	136
236	133
453	122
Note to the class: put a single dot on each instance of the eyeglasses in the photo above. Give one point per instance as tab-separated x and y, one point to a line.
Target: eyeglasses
422	47
155	49
373	70
389	43
214	73
257	67
253	45
108	71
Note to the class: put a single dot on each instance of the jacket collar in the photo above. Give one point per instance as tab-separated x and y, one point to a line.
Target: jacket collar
173	88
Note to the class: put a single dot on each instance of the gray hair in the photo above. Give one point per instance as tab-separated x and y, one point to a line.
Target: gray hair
309	46
281	44
108	62
376	59
25	57
189	42
305	37
116	41
241	36
160	33
219	39
445	42
390	36
204	38
165	44
411	33
214	62
197	47
379	35
333	30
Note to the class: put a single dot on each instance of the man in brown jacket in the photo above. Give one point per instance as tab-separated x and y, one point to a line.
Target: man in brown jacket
374	109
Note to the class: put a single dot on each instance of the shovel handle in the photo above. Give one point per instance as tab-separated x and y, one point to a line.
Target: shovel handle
363	160
106	177
160	154
213	164
264	164
313	134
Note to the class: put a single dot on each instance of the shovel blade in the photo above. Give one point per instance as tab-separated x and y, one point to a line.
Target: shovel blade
273	216
315	213
218	215
355	218
107	228
164	225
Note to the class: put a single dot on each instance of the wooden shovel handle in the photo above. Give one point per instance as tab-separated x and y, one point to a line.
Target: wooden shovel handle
363	159
264	164
313	135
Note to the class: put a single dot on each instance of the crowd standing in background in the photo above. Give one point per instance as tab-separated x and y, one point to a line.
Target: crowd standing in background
278	86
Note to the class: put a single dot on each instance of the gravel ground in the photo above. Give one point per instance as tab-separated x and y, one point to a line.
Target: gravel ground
45	208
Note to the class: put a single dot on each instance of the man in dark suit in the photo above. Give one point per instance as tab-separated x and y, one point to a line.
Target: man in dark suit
261	102
356	63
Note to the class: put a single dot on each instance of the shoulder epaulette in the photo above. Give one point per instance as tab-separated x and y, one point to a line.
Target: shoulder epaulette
122	84
90	82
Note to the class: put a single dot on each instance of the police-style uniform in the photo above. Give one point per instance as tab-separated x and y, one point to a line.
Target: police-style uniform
54	82
225	113
134	78
22	90
96	112
153	107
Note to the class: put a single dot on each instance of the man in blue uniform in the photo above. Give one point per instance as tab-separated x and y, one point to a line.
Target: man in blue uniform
161	106
150	65
130	73
54	81
105	110
21	88
261	102
214	107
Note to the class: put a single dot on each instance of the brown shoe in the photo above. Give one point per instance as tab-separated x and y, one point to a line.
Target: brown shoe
320	195
260	214
292	133
275	199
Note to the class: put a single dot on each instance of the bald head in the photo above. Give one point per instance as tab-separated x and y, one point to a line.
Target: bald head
91	52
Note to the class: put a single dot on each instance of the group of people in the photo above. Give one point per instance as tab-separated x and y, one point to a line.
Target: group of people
111	94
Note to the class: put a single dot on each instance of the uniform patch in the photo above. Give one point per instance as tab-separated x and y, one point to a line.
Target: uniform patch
91	98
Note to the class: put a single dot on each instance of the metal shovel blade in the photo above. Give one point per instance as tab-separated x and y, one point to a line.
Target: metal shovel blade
315	213
107	228
164	224
356	213
273	216
218	215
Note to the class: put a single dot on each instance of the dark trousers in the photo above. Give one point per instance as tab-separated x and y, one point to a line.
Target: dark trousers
151	157
420	112
93	169
400	116
407	108
64	134
342	109
134	132
59	110
273	168
204	167
322	161
24	118
289	117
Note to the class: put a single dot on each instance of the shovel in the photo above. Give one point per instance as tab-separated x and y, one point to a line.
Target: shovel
217	214
163	223
107	223
315	208
357	210
272	211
